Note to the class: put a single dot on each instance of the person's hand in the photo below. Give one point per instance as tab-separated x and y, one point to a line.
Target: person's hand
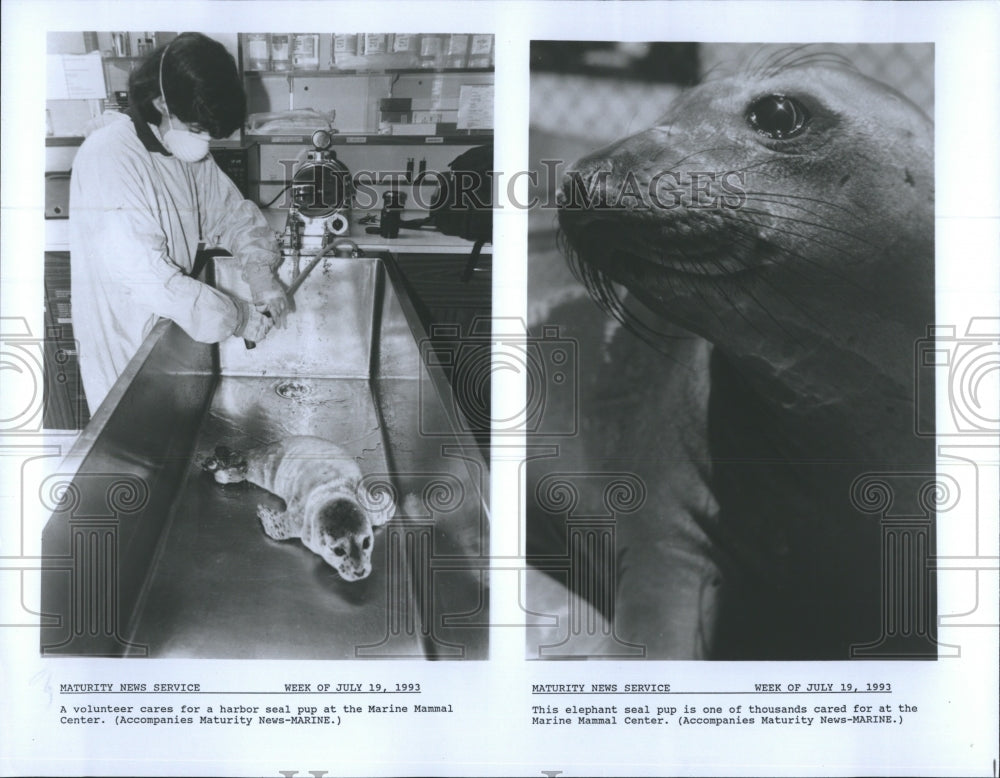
277	308
270	299
253	325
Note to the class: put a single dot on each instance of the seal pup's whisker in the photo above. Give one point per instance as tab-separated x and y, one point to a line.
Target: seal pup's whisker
605	295
783	59
802	273
806	314
853	237
787	230
789	200
697	289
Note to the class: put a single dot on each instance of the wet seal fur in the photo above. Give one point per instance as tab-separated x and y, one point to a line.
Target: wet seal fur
327	506
779	308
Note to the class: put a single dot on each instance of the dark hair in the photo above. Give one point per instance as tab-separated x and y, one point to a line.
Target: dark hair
200	82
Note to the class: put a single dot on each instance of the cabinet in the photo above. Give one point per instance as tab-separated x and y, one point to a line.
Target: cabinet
397	103
65	406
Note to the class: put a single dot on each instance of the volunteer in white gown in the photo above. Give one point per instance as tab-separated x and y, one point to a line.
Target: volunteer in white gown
144	194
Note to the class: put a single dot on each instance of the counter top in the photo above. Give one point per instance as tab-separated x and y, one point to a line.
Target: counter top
425	241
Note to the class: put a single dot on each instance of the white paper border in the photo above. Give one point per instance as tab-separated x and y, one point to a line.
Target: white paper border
956	735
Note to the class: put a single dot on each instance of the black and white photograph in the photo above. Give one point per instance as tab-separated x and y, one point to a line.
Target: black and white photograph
744	267
264	257
508	388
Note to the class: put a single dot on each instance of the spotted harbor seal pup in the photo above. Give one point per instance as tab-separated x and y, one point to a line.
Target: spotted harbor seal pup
327	506
771	241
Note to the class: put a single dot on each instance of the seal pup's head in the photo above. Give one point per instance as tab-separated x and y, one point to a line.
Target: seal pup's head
784	213
226	465
797	184
344	538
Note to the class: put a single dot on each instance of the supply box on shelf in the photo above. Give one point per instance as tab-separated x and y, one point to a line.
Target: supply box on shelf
282	52
368	86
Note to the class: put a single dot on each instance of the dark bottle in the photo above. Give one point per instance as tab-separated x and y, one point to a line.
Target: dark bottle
392	211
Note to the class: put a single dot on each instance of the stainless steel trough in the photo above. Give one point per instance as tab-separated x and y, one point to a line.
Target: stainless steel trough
148	556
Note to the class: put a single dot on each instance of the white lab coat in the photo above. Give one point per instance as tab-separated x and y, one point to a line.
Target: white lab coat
136	219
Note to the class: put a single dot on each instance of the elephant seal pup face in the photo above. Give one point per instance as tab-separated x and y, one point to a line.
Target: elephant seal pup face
774	212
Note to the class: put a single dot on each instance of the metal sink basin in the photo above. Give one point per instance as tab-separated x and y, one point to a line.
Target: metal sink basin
148	556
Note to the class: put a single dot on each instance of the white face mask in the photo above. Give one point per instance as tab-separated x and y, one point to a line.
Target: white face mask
187	146
184	144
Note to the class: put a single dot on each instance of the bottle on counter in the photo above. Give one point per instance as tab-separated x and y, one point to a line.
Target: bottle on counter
392	212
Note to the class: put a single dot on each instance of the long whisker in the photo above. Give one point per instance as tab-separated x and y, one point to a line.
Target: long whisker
808	223
779	60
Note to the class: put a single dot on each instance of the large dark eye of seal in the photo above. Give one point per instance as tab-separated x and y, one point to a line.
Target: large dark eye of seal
778	116
771	239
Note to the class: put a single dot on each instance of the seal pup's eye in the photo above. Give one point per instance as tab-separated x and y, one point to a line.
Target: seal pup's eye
777	116
339	551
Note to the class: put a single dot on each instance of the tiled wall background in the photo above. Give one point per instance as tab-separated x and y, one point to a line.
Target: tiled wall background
602	109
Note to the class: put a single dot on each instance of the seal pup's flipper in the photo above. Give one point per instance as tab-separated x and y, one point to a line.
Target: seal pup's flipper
280	525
